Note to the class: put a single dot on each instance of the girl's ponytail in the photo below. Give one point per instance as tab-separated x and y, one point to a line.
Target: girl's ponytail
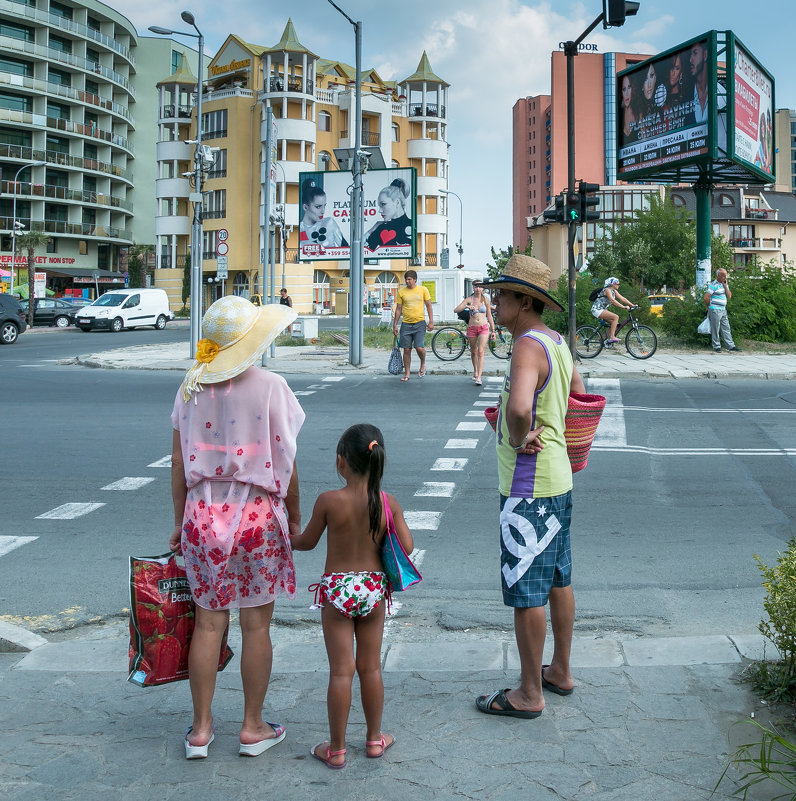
362	446
374	486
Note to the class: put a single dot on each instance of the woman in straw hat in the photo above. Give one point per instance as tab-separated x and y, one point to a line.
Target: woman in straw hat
236	501
535	486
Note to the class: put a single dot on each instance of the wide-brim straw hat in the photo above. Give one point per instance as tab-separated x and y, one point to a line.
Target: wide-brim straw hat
235	335
528	276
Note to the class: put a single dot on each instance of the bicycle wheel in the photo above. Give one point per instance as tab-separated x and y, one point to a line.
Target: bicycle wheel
588	341
448	343
501	344
641	342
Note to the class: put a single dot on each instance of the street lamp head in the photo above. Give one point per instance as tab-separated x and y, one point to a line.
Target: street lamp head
188	17
162	31
38	164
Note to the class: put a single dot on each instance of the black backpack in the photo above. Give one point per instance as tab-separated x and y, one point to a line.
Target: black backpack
464	315
595	293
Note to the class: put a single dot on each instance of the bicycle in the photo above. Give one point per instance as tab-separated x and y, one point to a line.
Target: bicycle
641	341
449	342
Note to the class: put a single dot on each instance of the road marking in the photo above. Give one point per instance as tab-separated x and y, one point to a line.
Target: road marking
691	410
69	511
449	464
8	544
488	394
471	426
470	444
318	386
612	430
474	413
696	451
494	379
422	521
437	489
311	392
164	462
333	378
483	403
129	483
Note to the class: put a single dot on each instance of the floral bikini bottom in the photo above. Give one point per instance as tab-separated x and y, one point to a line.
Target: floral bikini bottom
352	594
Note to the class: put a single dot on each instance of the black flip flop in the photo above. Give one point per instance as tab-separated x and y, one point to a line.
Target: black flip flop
554	688
484	704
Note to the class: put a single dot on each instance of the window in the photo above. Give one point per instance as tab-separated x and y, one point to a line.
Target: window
56	212
90	119
677	200
176	56
219	169
240	285
57	178
324	121
726	200
89	184
92	55
60	44
16	66
214	124
89	151
22	32
396	132
214	205
60	10
92	23
15	102
209	243
58	111
92	87
58	144
59	77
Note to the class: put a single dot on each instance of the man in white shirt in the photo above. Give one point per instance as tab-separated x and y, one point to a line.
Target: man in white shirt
716	297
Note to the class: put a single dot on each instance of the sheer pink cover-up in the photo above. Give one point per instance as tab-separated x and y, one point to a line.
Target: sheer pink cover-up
238	441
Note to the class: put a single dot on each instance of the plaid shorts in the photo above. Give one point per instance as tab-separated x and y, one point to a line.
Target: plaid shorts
534	548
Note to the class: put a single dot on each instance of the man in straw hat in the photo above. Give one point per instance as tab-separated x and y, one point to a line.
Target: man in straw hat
535	483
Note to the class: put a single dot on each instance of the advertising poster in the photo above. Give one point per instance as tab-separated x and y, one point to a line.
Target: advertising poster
753	92
390	200
664	110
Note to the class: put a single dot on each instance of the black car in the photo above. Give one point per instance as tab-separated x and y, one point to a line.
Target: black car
12	319
51	311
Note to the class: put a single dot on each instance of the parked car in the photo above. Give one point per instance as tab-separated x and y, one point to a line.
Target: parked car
51	311
657	301
12	319
126	308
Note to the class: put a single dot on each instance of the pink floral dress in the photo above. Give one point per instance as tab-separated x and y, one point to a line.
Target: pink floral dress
238	442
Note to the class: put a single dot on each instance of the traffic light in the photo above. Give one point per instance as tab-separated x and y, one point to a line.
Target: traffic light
587	199
573	207
615	11
557	214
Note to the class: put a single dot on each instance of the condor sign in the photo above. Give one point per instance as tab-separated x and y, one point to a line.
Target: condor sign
390	201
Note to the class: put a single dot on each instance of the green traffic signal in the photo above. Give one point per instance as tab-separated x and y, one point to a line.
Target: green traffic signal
573	215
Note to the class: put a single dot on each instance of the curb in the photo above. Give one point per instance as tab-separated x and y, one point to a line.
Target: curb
16	639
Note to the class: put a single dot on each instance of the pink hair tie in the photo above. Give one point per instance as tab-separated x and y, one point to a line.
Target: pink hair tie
370	447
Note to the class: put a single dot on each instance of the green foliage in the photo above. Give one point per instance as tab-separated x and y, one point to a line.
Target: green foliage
28	242
136	265
680	320
186	280
501	256
780	605
771	758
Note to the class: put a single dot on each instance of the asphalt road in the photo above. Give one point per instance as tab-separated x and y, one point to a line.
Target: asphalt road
687	481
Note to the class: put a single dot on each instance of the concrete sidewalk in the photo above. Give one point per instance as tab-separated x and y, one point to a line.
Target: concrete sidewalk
311	359
650	718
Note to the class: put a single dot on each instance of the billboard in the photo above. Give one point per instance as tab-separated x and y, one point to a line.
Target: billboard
667	110
752	107
390	219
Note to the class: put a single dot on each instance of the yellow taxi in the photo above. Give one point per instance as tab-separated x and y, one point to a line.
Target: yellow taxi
657	301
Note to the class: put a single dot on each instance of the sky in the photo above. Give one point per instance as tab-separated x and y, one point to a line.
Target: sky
492	52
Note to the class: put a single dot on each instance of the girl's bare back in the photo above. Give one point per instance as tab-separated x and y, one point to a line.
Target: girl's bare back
349	544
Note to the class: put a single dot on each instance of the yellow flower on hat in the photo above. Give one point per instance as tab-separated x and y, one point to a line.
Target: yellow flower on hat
206	351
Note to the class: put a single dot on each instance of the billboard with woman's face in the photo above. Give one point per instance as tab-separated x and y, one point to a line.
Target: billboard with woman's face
752	108
390	200
666	110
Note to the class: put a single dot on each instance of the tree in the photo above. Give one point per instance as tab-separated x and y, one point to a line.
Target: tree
501	256
30	241
136	264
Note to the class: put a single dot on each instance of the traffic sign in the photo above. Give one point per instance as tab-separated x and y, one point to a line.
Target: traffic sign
222	234
221	267
222	248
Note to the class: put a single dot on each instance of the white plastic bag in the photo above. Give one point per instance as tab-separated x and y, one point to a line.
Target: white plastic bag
704	327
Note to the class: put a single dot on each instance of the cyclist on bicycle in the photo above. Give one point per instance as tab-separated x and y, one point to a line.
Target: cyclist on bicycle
480	326
609	296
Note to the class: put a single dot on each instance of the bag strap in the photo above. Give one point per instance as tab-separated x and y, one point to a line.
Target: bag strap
388	513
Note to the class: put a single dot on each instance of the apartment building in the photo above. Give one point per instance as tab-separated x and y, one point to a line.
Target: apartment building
313	103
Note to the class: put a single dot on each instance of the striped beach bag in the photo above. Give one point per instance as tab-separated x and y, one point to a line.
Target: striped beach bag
583	416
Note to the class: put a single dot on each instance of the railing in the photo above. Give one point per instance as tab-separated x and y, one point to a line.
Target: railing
291	255
63	193
180	262
24	10
431	259
62	227
219	94
429	110
214	215
53	54
759	243
324	95
63	159
221	133
294	84
371	138
57	124
66	91
760	214
170	111
222	173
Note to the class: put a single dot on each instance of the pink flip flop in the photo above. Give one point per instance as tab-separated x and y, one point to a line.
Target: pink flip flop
376	744
327	760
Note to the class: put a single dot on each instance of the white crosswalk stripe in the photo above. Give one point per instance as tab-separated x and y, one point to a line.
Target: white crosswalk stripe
463	444
69	511
449	464
164	462
469	426
7	544
437	489
129	483
333	378
422	521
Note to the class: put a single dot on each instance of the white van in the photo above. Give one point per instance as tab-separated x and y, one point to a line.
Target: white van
125	308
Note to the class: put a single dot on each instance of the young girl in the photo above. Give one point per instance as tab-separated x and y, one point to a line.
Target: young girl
353	587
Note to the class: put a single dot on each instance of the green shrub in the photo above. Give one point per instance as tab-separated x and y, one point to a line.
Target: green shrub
680	320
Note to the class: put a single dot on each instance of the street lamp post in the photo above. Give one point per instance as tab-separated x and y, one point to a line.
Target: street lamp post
357	279
14	223
460	245
196	196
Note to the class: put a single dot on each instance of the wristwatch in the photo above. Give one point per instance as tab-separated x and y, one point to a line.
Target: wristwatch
520	446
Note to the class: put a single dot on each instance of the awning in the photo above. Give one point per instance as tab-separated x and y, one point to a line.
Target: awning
85	276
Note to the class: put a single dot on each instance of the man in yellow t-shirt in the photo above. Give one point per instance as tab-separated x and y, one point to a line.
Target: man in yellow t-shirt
410	305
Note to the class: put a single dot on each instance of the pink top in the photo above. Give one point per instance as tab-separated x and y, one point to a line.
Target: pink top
242	430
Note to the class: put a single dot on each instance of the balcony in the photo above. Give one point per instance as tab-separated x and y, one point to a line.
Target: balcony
427	110
758	243
65	160
33	190
57	124
371	138
760	214
70	229
295	84
171	111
